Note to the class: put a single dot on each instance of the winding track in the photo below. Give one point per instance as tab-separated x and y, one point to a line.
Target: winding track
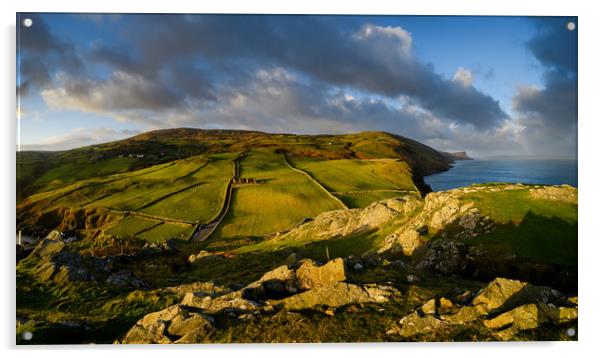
203	231
343	206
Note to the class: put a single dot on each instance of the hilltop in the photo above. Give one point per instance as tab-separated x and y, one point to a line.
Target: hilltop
38	171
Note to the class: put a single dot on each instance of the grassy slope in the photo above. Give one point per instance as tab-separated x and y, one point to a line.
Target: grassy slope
535	229
283	199
360	182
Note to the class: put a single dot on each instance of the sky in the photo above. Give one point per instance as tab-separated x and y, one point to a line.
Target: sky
491	86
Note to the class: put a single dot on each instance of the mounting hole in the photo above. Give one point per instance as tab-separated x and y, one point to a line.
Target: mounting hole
571	26
27	336
27	22
570	332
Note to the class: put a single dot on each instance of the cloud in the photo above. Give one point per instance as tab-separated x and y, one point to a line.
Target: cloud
463	76
370	58
122	91
80	137
42	53
550	112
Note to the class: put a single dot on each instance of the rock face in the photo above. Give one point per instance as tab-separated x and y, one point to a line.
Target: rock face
505	307
47	247
354	221
284	281
563	193
337	294
310	276
192	320
445	256
58	265
504	293
175	324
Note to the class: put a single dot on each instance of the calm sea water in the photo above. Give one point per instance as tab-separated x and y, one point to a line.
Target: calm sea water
527	171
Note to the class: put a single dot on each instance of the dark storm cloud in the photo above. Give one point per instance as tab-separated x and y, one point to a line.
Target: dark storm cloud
371	58
112	55
42	53
554	45
555	105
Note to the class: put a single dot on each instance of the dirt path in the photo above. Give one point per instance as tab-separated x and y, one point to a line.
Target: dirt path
343	206
203	231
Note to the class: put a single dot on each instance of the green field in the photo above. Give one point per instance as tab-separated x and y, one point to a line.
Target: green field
166	231
283	199
534	229
358	182
130	226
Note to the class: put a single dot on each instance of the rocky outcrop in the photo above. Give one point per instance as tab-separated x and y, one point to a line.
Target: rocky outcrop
205	256
54	263
175	324
284	281
305	286
564	193
505	307
337	294
353	221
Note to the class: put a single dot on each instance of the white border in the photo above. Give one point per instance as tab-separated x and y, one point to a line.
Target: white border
590	179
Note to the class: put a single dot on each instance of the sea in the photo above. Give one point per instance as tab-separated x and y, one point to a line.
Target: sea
526	171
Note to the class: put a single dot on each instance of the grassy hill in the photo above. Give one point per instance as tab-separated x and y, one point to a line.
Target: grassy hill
167	183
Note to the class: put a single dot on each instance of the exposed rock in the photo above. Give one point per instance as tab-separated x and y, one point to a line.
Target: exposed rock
338	294
467	314
430	307
527	317
415	324
405	242
205	256
563	193
505	294
310	276
353	221
175	324
445	256
48	246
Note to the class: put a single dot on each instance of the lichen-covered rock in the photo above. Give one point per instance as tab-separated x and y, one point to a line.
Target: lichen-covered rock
310	276
445	256
175	324
415	324
563	193
466	314
47	247
503	293
349	222
338	294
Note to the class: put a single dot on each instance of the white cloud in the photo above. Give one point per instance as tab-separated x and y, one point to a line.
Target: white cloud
463	76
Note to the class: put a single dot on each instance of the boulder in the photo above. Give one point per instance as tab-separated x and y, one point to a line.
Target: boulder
405	241
47	247
505	294
338	294
310	276
445	256
415	324
175	324
205	256
467	314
